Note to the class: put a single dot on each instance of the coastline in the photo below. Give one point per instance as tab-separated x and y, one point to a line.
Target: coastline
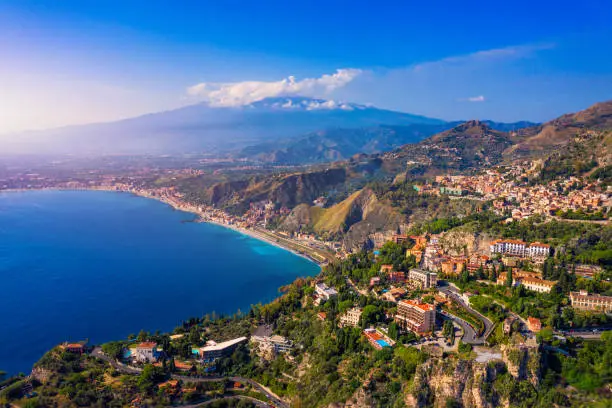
192	210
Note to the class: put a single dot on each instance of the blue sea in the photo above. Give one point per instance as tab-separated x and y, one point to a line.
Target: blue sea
91	265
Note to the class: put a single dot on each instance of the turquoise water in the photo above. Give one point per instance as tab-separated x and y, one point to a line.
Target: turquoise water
383	343
103	265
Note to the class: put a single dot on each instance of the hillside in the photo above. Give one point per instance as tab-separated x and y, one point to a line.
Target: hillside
286	190
589	153
340	144
543	139
469	145
354	218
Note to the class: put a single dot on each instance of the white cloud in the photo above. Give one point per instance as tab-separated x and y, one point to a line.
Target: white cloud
243	93
479	98
492	55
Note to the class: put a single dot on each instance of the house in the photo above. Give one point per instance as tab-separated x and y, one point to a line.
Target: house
183	365
417	253
322	316
536	284
399	238
76	348
350	317
397	276
453	266
374	281
324	292
534	324
395	294
587	271
170	386
214	350
584	301
146	352
386	269
267	340
415	316
507	327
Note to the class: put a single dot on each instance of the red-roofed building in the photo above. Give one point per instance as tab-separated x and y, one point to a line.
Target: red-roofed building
145	352
385	269
416	316
76	348
534	324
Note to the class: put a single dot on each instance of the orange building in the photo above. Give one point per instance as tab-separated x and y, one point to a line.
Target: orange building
416	316
534	324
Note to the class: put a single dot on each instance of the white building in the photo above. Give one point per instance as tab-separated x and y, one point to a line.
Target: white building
423	279
350	317
145	352
508	247
267	341
538	250
536	284
324	292
214	350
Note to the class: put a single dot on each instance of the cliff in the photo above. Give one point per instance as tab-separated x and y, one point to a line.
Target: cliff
354	218
465	241
284	190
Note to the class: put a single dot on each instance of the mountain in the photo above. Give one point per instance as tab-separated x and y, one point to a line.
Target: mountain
543	139
204	129
340	144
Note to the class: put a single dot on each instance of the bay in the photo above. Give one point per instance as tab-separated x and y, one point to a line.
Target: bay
96	265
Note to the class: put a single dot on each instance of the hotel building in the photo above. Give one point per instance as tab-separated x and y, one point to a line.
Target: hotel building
423	279
584	301
415	316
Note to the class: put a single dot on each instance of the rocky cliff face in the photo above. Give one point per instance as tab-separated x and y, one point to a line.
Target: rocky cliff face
355	218
474	384
465	382
465	241
286	190
523	362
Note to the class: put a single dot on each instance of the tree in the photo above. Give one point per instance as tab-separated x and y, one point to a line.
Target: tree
149	376
393	330
448	331
509	278
465	276
194	336
114	349
370	314
143	336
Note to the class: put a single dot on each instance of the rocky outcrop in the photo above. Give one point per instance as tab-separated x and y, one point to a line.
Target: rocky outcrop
285	190
462	381
523	362
464	241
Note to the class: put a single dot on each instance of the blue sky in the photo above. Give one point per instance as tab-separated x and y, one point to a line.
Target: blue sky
69	61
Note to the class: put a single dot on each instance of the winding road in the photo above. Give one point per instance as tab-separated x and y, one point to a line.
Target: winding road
469	334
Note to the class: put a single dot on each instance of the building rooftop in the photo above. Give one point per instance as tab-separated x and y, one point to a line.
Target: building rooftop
147	345
423	306
223	345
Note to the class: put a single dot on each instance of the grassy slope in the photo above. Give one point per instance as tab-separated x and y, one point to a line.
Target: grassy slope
332	219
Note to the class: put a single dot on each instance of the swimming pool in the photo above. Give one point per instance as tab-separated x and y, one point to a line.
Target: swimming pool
383	343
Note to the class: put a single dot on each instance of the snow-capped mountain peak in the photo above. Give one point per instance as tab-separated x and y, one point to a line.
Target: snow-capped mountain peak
303	103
